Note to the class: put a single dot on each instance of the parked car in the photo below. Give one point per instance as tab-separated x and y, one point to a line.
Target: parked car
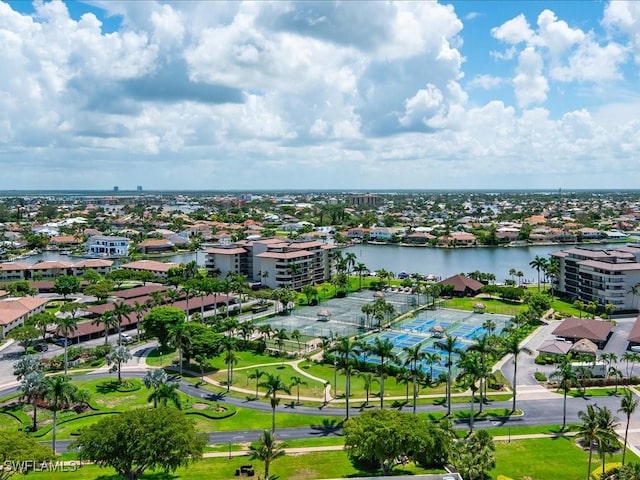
41	347
62	342
125	338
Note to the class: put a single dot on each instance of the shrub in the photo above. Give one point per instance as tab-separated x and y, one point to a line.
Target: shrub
539	376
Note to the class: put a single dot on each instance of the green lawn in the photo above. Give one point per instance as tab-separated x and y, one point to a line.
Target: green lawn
566	308
493	305
542	459
241	379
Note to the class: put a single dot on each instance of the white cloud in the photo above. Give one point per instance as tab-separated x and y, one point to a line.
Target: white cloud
242	95
530	84
485	82
624	16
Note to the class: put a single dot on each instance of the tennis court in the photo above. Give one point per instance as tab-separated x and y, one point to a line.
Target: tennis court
341	316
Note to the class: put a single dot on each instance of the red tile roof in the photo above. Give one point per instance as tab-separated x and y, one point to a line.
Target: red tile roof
596	330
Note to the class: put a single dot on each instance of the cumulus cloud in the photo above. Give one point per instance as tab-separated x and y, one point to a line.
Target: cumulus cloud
283	94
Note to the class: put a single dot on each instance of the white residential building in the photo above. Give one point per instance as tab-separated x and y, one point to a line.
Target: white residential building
108	246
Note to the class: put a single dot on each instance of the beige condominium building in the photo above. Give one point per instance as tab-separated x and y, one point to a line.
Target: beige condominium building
600	276
274	262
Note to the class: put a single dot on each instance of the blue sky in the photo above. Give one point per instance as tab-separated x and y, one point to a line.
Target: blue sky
312	95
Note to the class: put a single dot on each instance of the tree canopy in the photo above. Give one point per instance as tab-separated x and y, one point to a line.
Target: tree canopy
66	285
161	321
141	439
18	452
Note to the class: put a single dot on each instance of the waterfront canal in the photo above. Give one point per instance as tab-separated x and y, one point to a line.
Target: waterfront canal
441	262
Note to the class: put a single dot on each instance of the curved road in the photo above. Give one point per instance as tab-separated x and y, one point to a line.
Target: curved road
545	411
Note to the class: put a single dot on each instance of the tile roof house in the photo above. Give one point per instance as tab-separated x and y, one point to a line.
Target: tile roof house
14	312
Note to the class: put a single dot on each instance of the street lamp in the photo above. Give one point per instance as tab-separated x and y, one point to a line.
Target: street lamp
335	377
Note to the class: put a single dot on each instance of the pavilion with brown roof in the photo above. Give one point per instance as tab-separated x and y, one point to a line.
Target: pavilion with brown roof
574	329
463	286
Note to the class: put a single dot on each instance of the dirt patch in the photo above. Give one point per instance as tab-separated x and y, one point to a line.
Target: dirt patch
200	406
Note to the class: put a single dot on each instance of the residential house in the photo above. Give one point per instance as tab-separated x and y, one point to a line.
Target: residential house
108	246
15	311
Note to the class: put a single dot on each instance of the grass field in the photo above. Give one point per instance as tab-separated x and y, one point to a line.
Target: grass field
538	459
493	305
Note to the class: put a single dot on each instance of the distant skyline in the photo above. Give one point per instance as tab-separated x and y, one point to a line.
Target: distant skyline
318	95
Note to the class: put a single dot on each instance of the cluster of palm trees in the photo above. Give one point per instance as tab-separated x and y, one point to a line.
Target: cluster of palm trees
378	310
548	268
57	391
163	391
597	430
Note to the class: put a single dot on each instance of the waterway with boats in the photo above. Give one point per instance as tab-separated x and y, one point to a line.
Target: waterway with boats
439	262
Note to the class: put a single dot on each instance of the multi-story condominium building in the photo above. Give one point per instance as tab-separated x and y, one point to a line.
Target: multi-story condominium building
15	311
12	271
108	246
274	262
600	276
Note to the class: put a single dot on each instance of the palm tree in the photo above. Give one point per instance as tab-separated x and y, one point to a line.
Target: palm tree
346	349
273	385
66	326
414	357
512	346
296	335
165	393
608	439
485	348
267	450
384	351
138	309
108	321
153	379
405	377
157	298
628	405
367	379
33	389
173	295
592	432
565	376
179	336
538	263
296	382
59	392
360	268
471	372
431	358
449	345
256	375
117	357
230	359
121	311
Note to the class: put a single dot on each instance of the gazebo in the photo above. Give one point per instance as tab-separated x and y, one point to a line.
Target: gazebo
437	331
584	346
479	307
324	315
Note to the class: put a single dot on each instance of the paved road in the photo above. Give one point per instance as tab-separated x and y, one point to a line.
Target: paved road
547	411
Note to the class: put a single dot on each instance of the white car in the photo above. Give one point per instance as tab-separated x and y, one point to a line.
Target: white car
125	338
635	348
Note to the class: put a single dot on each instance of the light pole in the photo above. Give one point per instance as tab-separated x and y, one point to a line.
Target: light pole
335	377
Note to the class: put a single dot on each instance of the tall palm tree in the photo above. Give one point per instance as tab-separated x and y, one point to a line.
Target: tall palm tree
296	382
256	375
449	345
431	359
414	358
591	432
384	351
138	309
512	346
360	268
273	384
267	450
108	321
485	349
296	335
165	393
66	326
346	349
628	405
173	295
566	377
121	311
153	379
59	392
471	372
608	439
404	376
33	388
179	336
230	358
367	379
538	264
